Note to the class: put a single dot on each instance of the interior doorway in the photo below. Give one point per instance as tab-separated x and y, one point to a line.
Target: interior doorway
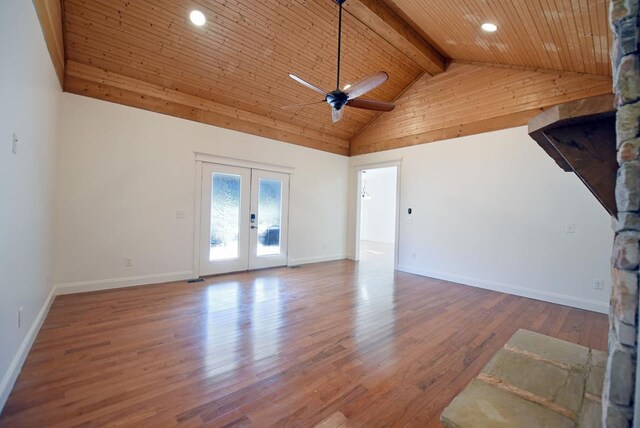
244	217
377	225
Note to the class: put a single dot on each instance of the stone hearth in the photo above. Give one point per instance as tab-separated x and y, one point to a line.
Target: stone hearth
533	381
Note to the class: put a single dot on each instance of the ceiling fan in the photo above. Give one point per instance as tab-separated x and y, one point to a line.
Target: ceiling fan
337	98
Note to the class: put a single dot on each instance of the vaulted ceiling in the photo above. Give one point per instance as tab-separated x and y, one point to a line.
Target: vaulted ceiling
442	67
566	35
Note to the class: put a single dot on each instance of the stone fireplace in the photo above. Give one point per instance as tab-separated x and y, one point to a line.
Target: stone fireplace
599	140
621	370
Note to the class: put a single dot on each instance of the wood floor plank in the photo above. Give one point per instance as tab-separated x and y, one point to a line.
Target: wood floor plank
281	347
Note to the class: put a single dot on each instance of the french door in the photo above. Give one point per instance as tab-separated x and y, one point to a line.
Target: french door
243	220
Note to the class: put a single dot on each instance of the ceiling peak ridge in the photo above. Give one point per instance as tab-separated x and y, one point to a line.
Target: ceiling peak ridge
378	16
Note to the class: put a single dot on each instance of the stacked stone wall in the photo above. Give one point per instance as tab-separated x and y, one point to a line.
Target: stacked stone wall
620	378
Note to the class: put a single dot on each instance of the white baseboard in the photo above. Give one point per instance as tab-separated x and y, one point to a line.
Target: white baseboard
545	296
317	259
9	378
131	281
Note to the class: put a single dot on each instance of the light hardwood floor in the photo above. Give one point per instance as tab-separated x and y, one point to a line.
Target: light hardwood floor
280	347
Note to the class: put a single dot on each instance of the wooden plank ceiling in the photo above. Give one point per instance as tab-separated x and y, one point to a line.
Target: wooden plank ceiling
493	97
233	71
566	35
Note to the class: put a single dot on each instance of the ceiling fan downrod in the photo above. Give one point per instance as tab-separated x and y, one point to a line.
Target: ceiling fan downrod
338	98
340	3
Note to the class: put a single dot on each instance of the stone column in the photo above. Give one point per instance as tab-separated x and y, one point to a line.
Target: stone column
619	388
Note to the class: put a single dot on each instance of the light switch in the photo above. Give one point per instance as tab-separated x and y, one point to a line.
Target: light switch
14	143
180	214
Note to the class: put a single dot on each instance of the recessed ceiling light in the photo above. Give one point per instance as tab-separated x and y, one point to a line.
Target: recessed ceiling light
197	18
489	27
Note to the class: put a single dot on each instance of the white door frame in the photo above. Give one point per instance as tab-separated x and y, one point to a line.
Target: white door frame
201	158
357	169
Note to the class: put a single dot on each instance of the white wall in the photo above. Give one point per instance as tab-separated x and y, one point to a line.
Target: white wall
490	210
29	106
124	172
378	214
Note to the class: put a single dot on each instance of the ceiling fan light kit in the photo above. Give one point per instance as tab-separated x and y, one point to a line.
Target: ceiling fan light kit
348	96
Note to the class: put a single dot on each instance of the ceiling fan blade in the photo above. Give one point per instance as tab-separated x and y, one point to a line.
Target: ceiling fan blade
307	84
295	106
336	115
367	84
371	105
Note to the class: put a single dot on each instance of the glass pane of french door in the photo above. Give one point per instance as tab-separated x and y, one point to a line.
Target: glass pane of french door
224	219
270	218
225	216
269	213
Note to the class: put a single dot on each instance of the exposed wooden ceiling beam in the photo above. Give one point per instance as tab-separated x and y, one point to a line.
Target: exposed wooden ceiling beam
94	82
445	133
469	99
384	21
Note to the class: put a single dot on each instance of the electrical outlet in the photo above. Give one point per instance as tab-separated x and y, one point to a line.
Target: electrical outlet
598	284
180	214
20	317
571	228
413	256
14	143
128	262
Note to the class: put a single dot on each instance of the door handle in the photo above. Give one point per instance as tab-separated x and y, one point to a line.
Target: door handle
254	227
